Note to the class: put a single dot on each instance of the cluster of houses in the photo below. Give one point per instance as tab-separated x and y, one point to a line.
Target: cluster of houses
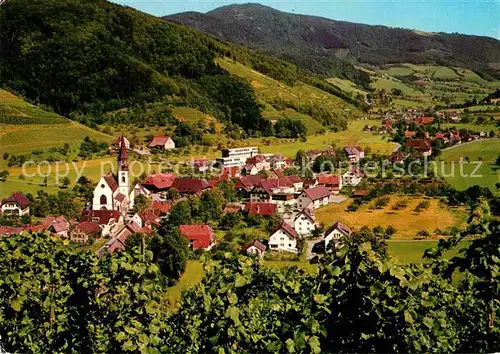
109	214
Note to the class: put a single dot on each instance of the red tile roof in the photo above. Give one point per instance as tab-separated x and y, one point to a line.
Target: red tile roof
103	216
424	120
316	193
339	226
419	144
232	209
159	141
190	185
256	244
396	156
307	213
10	230
59	223
310	182
19	198
261	208
270	184
255	159
161	207
110	180
159	180
148	216
409	133
35	228
201	235
288	229
120	197
294	179
280	174
329	180
214	181
89	227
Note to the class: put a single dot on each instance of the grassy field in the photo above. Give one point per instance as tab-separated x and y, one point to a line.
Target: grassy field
346	85
407	222
487	175
412	252
389	84
354	135
269	90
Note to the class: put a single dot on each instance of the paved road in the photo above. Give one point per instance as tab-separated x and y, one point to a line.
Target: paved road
310	244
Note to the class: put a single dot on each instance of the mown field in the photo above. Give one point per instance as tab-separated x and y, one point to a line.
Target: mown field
407	222
487	174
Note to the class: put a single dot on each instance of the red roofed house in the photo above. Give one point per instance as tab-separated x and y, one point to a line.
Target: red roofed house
159	182
255	248
232	208
198	236
17	203
161	208
305	222
354	153
164	142
269	187
245	184
146	218
424	120
57	225
261	208
313	198
110	221
190	185
332	182
284	239
10	230
336	232
396	156
422	146
352	177
410	134
82	231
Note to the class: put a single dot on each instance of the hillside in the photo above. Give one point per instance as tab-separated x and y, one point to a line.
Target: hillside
84	59
317	43
25	128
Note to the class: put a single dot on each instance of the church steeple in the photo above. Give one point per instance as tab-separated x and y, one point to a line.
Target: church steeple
123	155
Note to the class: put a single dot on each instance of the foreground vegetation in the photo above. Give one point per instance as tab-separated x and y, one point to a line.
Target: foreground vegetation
114	304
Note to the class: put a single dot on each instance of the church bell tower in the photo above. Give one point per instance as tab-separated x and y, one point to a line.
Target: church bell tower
123	177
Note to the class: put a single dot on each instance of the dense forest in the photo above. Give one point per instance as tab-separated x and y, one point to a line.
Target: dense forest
56	298
85	58
328	47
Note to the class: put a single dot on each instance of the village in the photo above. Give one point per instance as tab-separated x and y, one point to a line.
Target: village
266	186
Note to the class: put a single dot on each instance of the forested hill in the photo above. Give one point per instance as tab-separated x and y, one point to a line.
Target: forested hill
317	42
87	57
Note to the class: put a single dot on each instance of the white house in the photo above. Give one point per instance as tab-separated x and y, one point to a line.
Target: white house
286	202
354	153
304	223
352	177
255	248
17	204
284	239
139	189
251	169
110	221
313	198
336	233
164	142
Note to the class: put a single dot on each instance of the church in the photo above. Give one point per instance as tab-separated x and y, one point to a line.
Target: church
113	193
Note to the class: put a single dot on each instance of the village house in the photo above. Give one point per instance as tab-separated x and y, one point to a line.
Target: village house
352	177
422	146
354	153
16	204
255	248
309	183
286	202
83	231
424	120
313	198
159	182
245	184
305	223
250	169
161	209
268	187
278	162
335	233
313	154
198	236
410	134
284	239
146	218
332	182
110	221
164	142
396	157
233	208
138	190
190	186
298	183
58	226
259	161
111	194
261	208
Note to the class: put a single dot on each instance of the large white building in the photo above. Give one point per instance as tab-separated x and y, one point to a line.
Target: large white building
237	157
284	239
111	193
